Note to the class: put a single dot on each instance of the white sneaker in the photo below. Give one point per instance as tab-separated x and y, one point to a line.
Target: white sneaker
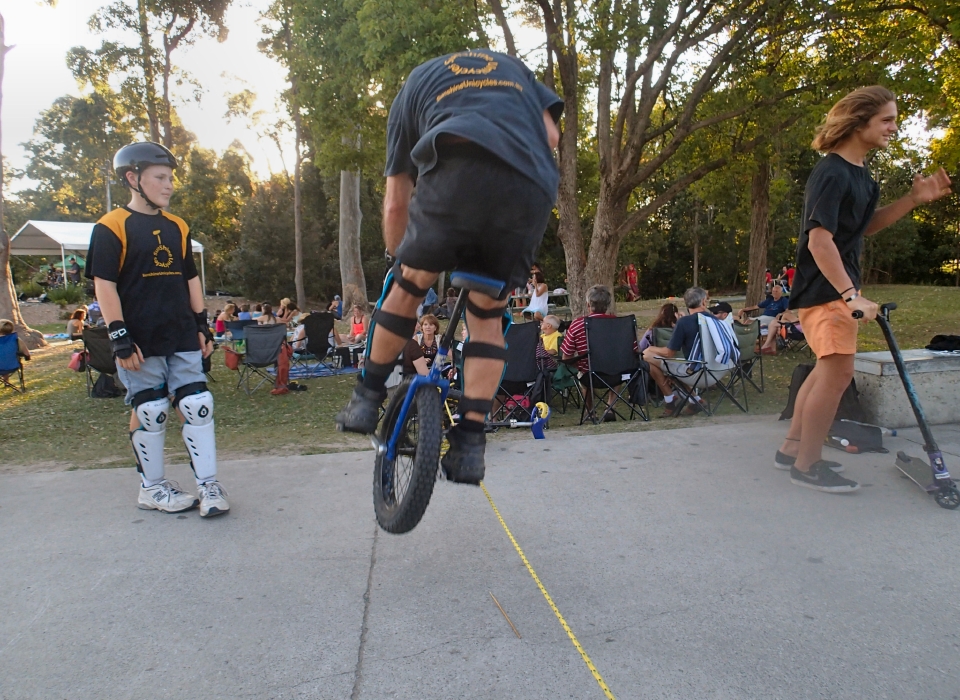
165	496
212	501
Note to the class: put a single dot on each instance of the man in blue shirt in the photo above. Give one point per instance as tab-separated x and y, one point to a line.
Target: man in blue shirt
685	334
772	307
474	132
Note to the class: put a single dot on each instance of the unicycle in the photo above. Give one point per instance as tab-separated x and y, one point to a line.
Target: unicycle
410	434
933	478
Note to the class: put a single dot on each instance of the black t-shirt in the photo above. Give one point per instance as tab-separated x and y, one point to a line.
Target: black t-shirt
411	352
486	97
840	197
685	334
151	259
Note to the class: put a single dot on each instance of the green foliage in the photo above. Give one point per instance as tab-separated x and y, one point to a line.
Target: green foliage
30	288
71	294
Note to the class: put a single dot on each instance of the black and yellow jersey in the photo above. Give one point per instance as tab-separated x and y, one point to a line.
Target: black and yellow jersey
150	259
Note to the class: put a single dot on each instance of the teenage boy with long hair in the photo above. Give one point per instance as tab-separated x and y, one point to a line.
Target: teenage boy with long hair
840	208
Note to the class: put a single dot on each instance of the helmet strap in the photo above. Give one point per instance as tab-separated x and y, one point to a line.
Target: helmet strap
144	194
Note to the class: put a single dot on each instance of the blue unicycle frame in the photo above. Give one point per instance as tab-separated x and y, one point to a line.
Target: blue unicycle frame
467	282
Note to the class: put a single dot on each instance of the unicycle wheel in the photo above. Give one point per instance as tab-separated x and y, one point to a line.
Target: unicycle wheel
948	497
402	487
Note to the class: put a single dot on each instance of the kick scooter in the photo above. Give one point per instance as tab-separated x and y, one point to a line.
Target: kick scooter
411	431
933	478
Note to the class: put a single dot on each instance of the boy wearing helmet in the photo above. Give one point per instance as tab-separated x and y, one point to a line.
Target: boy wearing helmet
141	263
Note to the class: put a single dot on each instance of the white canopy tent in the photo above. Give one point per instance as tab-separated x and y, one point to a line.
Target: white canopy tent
53	237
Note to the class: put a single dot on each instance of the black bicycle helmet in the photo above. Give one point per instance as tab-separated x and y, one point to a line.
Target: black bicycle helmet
136	158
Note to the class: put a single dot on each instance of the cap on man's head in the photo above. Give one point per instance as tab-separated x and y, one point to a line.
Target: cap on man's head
721	307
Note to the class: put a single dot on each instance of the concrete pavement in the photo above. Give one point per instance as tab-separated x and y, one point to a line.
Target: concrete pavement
684	563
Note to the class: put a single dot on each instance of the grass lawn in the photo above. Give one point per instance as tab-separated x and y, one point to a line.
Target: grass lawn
55	426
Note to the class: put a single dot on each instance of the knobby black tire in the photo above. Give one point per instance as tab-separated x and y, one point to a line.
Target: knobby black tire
418	450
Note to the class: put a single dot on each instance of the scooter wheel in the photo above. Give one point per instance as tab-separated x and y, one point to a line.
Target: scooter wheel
948	497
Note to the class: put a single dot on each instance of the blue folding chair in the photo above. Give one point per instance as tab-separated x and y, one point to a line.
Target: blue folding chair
10	363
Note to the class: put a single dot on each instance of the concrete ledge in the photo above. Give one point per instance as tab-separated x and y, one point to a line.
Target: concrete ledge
936	377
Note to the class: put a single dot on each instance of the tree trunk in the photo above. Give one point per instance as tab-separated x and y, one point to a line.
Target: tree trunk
9	306
351	263
501	16
605	242
297	232
146	58
759	233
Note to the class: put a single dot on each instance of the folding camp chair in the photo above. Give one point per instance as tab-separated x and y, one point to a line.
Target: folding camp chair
10	363
748	336
522	384
99	355
236	328
705	368
791	338
317	327
614	369
263	349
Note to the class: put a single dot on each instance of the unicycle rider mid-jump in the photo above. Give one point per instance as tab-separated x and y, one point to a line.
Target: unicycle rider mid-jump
474	131
839	209
141	263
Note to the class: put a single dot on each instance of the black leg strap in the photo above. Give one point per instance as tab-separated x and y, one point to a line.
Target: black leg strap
142	397
379	369
489	351
467	405
188	390
406	285
398	325
480	312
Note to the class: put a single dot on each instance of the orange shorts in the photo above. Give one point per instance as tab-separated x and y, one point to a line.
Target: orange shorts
830	329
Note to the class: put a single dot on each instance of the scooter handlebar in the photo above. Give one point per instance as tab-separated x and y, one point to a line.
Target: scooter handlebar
885	310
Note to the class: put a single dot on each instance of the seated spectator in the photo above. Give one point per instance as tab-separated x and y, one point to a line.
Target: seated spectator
772	307
257	311
550	335
429	328
228	314
413	360
77	323
723	311
283	315
267	318
574	343
292	315
429	305
6	328
767	281
336	307
244	314
769	346
666	318
446	308
358	325
685	334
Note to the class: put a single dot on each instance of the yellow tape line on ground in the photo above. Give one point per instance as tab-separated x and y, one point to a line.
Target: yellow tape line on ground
563	623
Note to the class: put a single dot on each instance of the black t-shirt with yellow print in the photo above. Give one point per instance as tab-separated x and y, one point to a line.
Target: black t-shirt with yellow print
150	258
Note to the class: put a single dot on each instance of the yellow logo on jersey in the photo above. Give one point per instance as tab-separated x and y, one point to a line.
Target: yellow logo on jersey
162	256
457	69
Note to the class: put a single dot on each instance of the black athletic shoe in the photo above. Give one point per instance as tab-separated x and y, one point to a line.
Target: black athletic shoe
362	412
463	462
822	478
784	462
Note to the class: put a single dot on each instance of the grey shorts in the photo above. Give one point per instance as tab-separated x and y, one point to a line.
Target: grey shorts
175	371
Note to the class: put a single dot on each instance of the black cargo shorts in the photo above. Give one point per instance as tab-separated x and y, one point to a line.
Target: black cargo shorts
473	212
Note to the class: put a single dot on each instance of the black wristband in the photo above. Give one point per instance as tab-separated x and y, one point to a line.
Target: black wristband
203	325
120	341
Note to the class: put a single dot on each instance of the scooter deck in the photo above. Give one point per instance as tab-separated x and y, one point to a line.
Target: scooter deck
917	471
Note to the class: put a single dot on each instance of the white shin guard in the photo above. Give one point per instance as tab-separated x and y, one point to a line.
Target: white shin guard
198	434
147	440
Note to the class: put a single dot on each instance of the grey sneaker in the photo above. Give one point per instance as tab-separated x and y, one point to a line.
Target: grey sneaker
165	496
784	462
212	501
362	412
822	478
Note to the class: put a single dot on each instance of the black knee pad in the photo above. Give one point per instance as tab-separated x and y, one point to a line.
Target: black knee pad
188	390
141	397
